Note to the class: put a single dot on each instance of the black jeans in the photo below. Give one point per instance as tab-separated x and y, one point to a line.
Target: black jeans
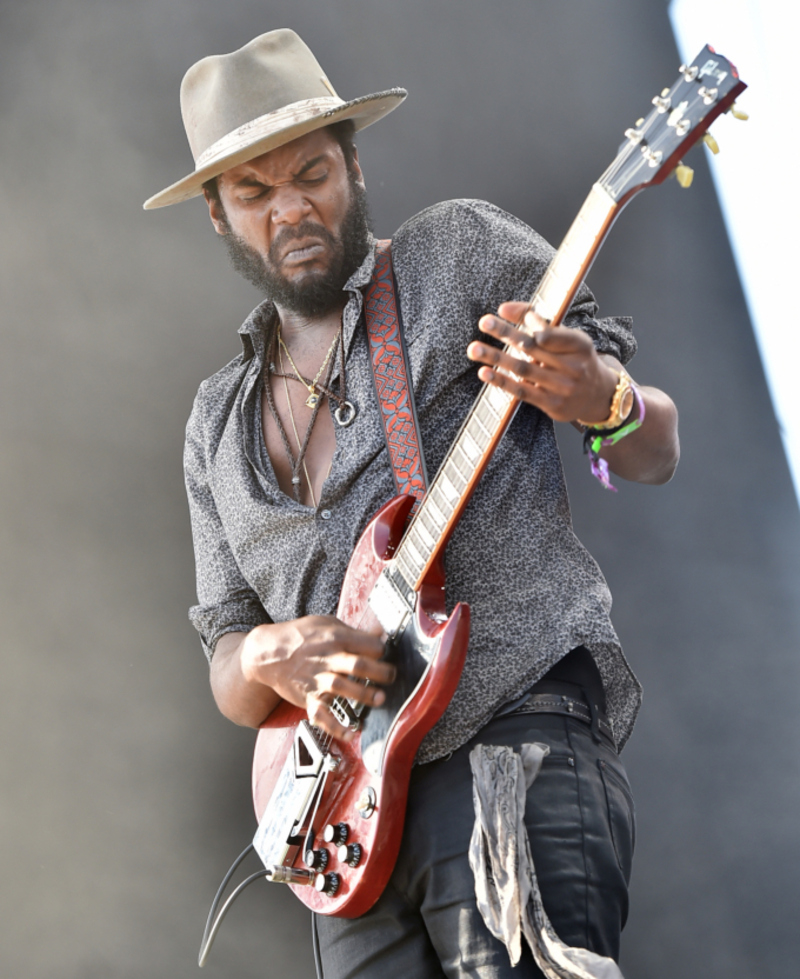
426	925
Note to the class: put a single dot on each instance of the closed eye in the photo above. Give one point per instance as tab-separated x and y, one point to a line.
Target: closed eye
313	181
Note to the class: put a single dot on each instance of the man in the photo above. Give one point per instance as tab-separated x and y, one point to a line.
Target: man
285	463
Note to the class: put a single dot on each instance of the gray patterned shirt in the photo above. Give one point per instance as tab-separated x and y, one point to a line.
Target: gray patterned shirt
534	591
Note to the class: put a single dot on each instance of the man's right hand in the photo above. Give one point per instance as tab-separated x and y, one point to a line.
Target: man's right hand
307	661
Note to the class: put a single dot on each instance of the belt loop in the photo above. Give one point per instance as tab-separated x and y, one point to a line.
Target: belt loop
595	715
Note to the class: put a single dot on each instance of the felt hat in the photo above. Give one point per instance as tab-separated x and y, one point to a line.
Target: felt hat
237	106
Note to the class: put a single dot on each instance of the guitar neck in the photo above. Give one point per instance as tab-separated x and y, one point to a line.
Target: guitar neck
494	409
652	149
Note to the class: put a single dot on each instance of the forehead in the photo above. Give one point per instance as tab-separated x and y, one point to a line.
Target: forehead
287	160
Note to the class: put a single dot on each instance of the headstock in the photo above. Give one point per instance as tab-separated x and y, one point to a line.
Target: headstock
680	117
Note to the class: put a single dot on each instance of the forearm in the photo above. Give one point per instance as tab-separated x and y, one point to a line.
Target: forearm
242	701
649	454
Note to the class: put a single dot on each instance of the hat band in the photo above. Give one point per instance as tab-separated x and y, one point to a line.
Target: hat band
266	125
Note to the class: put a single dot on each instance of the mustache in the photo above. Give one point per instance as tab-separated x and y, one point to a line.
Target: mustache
306	229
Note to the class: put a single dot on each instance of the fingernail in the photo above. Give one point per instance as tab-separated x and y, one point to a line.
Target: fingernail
379	698
478	350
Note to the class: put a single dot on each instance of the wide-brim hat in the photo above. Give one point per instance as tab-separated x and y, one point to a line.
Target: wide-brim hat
237	106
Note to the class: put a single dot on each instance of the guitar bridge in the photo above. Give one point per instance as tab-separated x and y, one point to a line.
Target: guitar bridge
301	780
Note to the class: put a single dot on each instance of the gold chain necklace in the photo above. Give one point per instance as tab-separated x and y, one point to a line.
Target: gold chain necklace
291	418
313	395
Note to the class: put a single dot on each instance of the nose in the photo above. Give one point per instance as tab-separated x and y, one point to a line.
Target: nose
288	205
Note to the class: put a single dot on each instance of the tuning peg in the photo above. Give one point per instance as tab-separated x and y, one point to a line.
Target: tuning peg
738	114
684	175
711	143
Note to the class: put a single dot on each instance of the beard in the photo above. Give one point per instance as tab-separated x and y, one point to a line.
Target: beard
317	293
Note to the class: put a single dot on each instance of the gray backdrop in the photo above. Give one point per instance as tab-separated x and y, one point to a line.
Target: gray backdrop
126	794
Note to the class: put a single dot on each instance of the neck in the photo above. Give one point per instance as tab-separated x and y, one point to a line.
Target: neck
298	326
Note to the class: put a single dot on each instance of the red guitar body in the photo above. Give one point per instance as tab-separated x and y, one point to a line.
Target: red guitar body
367	785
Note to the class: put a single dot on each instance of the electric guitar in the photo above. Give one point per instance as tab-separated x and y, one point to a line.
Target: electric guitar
331	813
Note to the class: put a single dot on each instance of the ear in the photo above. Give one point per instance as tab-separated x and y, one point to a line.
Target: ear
357	169
217	213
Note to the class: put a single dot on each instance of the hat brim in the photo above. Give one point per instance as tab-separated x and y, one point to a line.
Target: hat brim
363	112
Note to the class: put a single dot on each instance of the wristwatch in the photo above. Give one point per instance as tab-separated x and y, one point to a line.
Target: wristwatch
621	405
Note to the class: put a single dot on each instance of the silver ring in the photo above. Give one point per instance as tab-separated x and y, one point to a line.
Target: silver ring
345	414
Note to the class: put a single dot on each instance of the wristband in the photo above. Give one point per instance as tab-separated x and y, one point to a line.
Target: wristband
594	440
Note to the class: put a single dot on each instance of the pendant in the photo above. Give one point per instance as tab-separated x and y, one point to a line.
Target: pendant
345	414
312	400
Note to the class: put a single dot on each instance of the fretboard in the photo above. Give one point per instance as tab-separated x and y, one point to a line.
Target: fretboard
494	409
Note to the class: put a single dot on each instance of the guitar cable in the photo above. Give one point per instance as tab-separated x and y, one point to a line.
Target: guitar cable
215	919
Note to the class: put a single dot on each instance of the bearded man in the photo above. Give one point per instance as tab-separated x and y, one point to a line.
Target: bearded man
286	462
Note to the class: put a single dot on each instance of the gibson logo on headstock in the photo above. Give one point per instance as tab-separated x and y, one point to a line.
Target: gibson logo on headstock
712	68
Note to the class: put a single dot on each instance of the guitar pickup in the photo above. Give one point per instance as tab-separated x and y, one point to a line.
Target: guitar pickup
390	606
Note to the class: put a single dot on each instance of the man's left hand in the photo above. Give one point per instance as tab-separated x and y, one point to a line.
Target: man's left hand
561	373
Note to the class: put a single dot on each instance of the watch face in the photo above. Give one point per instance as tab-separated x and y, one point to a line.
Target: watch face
626	405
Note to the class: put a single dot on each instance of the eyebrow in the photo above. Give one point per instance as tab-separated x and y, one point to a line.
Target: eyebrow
311	164
308	165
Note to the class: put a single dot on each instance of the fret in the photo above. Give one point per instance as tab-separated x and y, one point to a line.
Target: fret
425	518
432	507
420	528
486	432
498	399
417	555
477	433
442	504
447	487
403	563
470	447
466	468
450	472
486	413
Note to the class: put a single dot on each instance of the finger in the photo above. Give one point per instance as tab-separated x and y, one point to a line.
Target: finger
330	685
362	667
559	382
368	642
550	402
508	332
515	312
321	716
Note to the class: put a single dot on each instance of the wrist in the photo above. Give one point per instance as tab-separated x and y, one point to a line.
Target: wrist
621	406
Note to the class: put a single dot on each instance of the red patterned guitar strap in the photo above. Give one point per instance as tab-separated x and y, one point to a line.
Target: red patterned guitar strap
392	377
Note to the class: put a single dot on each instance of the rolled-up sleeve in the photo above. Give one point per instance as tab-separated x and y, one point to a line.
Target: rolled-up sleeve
226	602
610	335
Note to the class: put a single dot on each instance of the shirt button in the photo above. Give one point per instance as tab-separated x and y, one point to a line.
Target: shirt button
326	514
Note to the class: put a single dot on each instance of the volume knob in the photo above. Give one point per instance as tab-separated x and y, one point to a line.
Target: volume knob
336	834
350	854
316	859
327	883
